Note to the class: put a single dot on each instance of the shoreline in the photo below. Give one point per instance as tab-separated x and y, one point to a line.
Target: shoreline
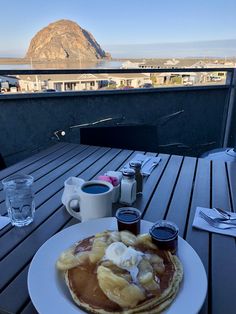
6	60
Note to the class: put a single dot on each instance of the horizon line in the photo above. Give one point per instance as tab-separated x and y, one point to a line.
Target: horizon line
172	42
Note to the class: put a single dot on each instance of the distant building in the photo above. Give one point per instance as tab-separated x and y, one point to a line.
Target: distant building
130	65
172	62
77	82
180	78
134	80
8	83
31	83
70	82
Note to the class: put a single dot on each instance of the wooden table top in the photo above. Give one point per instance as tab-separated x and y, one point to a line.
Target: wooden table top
172	191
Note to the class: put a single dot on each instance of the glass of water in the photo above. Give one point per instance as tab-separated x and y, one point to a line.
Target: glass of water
19	199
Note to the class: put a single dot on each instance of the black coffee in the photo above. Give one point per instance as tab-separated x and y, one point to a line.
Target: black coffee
95	188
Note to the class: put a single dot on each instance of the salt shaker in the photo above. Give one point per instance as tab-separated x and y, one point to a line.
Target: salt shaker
128	187
136	165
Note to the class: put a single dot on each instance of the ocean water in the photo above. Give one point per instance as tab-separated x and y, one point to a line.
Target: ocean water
212	48
14	66
104	64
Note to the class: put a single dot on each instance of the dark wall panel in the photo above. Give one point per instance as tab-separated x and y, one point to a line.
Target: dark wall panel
186	121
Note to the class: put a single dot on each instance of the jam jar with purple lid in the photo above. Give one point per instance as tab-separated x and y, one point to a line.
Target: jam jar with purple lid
128	218
165	235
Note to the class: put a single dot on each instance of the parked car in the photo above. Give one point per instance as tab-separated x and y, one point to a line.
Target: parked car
146	85
187	83
215	78
127	87
49	90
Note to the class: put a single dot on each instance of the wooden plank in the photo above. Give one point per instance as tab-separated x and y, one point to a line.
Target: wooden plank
150	183
179	206
78	161
231	169
23	246
50	190
223	249
198	239
77	170
24	252
47	164
157	188
59	161
14	236
32	159
10	239
96	167
115	163
29	309
13	298
51	174
159	202
53	188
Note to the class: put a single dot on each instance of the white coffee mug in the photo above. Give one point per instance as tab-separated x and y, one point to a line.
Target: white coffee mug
94	199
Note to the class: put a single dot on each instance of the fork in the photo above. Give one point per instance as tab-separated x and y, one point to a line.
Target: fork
224	213
213	223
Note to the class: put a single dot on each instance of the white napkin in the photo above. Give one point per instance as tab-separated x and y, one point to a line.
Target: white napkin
147	162
200	223
4	221
147	168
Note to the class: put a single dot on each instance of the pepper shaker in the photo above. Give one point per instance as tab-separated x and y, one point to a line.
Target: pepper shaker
136	165
128	187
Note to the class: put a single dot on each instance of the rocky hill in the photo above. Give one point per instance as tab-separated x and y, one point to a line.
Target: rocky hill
65	40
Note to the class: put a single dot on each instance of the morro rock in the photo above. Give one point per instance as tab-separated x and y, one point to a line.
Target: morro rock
65	40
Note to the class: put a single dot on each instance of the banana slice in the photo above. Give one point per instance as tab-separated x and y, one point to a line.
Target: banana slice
146	276
157	263
114	237
146	240
128	238
98	250
69	260
119	290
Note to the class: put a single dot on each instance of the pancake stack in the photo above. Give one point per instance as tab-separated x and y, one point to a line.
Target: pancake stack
139	279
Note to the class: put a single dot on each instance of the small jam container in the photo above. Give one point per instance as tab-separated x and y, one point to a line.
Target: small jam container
165	235
128	218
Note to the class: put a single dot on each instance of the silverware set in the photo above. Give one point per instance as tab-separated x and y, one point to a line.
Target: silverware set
225	215
224	222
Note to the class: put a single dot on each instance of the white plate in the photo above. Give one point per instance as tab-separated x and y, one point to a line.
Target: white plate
48	290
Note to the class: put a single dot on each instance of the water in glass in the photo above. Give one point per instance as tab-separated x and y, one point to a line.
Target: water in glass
19	199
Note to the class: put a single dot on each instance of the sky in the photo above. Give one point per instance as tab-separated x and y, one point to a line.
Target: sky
121	26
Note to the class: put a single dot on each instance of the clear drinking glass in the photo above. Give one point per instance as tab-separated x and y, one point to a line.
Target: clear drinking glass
19	199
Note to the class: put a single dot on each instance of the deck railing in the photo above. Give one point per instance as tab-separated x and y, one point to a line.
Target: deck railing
187	119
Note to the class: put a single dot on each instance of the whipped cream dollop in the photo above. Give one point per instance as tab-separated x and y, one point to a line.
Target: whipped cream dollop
124	257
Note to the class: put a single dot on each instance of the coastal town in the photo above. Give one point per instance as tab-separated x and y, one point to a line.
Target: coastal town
83	82
64	44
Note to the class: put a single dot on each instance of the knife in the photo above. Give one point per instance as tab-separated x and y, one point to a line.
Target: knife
146	160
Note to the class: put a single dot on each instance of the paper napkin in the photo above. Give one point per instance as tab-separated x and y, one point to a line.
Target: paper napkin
200	223
4	221
149	165
147	162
